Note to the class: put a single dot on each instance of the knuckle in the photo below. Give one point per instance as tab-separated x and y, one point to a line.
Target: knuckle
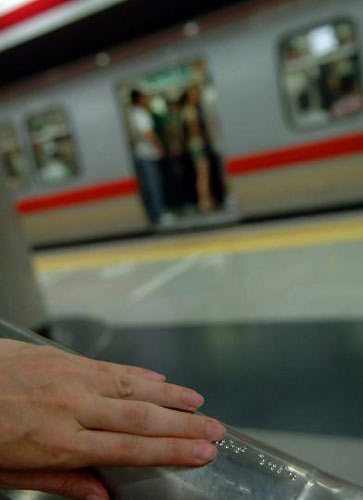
175	451
168	392
138	415
130	448
124	388
192	426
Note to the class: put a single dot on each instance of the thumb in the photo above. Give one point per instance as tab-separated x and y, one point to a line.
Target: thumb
78	485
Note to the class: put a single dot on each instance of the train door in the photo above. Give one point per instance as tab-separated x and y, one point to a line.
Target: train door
175	142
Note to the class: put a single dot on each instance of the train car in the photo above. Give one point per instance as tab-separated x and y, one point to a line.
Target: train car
283	82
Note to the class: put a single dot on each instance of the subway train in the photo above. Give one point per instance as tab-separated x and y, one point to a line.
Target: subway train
280	87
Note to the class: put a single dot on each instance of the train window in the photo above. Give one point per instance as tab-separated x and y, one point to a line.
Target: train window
12	157
321	74
53	146
174	137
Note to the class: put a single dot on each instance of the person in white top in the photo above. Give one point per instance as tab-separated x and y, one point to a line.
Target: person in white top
148	152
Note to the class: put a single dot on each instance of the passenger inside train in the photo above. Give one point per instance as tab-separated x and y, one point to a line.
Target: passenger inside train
321	74
149	153
52	145
13	160
174	128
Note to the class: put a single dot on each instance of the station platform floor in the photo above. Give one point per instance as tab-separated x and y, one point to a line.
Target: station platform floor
265	320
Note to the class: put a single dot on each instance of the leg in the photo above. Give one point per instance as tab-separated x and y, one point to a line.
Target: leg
218	178
153	189
205	200
143	181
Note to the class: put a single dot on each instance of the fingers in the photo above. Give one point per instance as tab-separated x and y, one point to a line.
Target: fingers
136	417
168	395
138	389
114	369
141	372
78	485
111	449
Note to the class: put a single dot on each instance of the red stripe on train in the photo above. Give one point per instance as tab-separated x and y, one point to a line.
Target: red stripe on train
114	189
236	166
291	155
28	11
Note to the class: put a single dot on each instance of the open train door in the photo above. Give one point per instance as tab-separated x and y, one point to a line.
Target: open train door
175	140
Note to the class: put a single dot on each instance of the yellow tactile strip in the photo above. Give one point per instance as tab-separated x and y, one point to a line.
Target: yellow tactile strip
245	241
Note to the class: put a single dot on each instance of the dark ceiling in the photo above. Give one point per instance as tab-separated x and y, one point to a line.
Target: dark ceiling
98	32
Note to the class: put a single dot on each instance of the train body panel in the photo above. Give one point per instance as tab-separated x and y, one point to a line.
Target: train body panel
244	60
101	218
316	184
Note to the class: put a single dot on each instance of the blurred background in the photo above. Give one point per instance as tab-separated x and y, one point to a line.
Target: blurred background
187	180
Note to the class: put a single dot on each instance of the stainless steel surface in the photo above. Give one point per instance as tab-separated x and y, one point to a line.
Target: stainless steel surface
244	469
12	331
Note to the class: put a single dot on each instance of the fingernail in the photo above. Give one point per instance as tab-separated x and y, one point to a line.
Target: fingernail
205	452
215	431
192	399
156	376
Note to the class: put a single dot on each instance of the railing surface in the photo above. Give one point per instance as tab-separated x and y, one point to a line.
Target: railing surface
244	469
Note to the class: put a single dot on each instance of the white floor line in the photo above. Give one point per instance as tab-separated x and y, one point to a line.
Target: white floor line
112	272
48	279
163	278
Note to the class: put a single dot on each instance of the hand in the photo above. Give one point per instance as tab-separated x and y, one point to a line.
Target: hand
60	413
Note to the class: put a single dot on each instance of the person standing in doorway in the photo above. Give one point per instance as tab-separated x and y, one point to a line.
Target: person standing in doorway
197	147
176	153
148	152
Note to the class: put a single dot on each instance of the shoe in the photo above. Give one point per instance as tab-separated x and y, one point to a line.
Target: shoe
167	219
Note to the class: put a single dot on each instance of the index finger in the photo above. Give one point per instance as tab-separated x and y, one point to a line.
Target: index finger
102	448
